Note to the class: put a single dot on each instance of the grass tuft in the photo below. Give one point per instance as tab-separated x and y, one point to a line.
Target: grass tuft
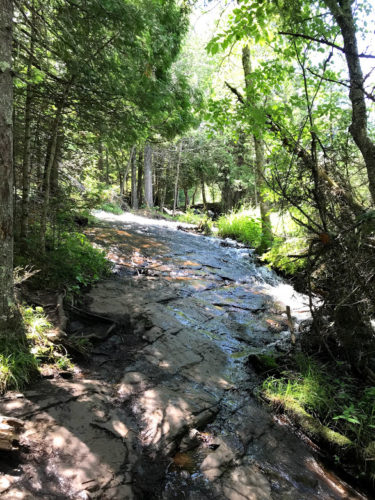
21	356
241	227
328	404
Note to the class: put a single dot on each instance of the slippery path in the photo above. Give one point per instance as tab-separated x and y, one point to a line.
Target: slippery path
166	408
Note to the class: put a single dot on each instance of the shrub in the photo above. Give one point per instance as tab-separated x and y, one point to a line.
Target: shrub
75	262
282	254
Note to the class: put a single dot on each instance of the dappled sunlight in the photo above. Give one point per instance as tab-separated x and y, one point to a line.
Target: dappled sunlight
193	326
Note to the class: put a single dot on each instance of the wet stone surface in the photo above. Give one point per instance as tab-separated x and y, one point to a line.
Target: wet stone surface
165	409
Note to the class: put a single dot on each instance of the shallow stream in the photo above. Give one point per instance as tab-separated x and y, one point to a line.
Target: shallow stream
166	408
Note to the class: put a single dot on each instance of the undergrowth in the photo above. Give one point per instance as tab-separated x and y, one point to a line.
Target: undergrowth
21	355
73	262
284	254
111	207
337	399
241	227
190	217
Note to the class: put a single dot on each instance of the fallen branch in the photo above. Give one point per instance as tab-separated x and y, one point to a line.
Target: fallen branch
87	314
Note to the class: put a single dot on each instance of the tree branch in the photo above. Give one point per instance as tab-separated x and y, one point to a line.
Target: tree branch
236	93
325	42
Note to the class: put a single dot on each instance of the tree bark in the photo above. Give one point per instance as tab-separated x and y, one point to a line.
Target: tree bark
101	160
343	15
267	235
126	173
140	178
175	197
186	195
148	175
7	309
54	183
26	162
134	199
194	195
52	153
203	193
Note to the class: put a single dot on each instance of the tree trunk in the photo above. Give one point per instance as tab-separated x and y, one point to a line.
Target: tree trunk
226	193
186	195
203	193
106	166
134	200
140	178
148	175
51	159
342	12
194	195
175	198
167	165
26	162
267	235
126	173
7	309
54	183
101	160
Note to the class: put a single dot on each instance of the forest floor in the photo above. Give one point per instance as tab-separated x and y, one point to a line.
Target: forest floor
165	407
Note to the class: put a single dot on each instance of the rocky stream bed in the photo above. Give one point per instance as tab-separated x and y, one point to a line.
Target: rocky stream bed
165	407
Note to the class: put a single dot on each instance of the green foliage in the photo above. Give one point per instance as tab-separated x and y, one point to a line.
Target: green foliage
206	226
283	254
40	345
191	218
17	364
83	264
111	207
241	227
325	391
22	355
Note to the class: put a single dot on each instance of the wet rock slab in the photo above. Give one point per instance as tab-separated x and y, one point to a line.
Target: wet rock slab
169	412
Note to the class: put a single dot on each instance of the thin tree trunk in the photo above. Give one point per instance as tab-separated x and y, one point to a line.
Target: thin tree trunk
167	165
194	195
7	309
126	173
54	182
101	160
175	198
106	166
134	180
267	235
148	175
203	193
186	195
26	162
51	159
140	178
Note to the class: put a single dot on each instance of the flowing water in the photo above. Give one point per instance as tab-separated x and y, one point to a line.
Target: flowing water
167	407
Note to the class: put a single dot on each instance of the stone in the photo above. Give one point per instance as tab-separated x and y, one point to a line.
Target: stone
246	482
122	492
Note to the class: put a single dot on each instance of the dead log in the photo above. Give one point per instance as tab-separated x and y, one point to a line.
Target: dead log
10	429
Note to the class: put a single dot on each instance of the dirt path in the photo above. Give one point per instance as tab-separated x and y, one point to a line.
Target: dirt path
165	409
